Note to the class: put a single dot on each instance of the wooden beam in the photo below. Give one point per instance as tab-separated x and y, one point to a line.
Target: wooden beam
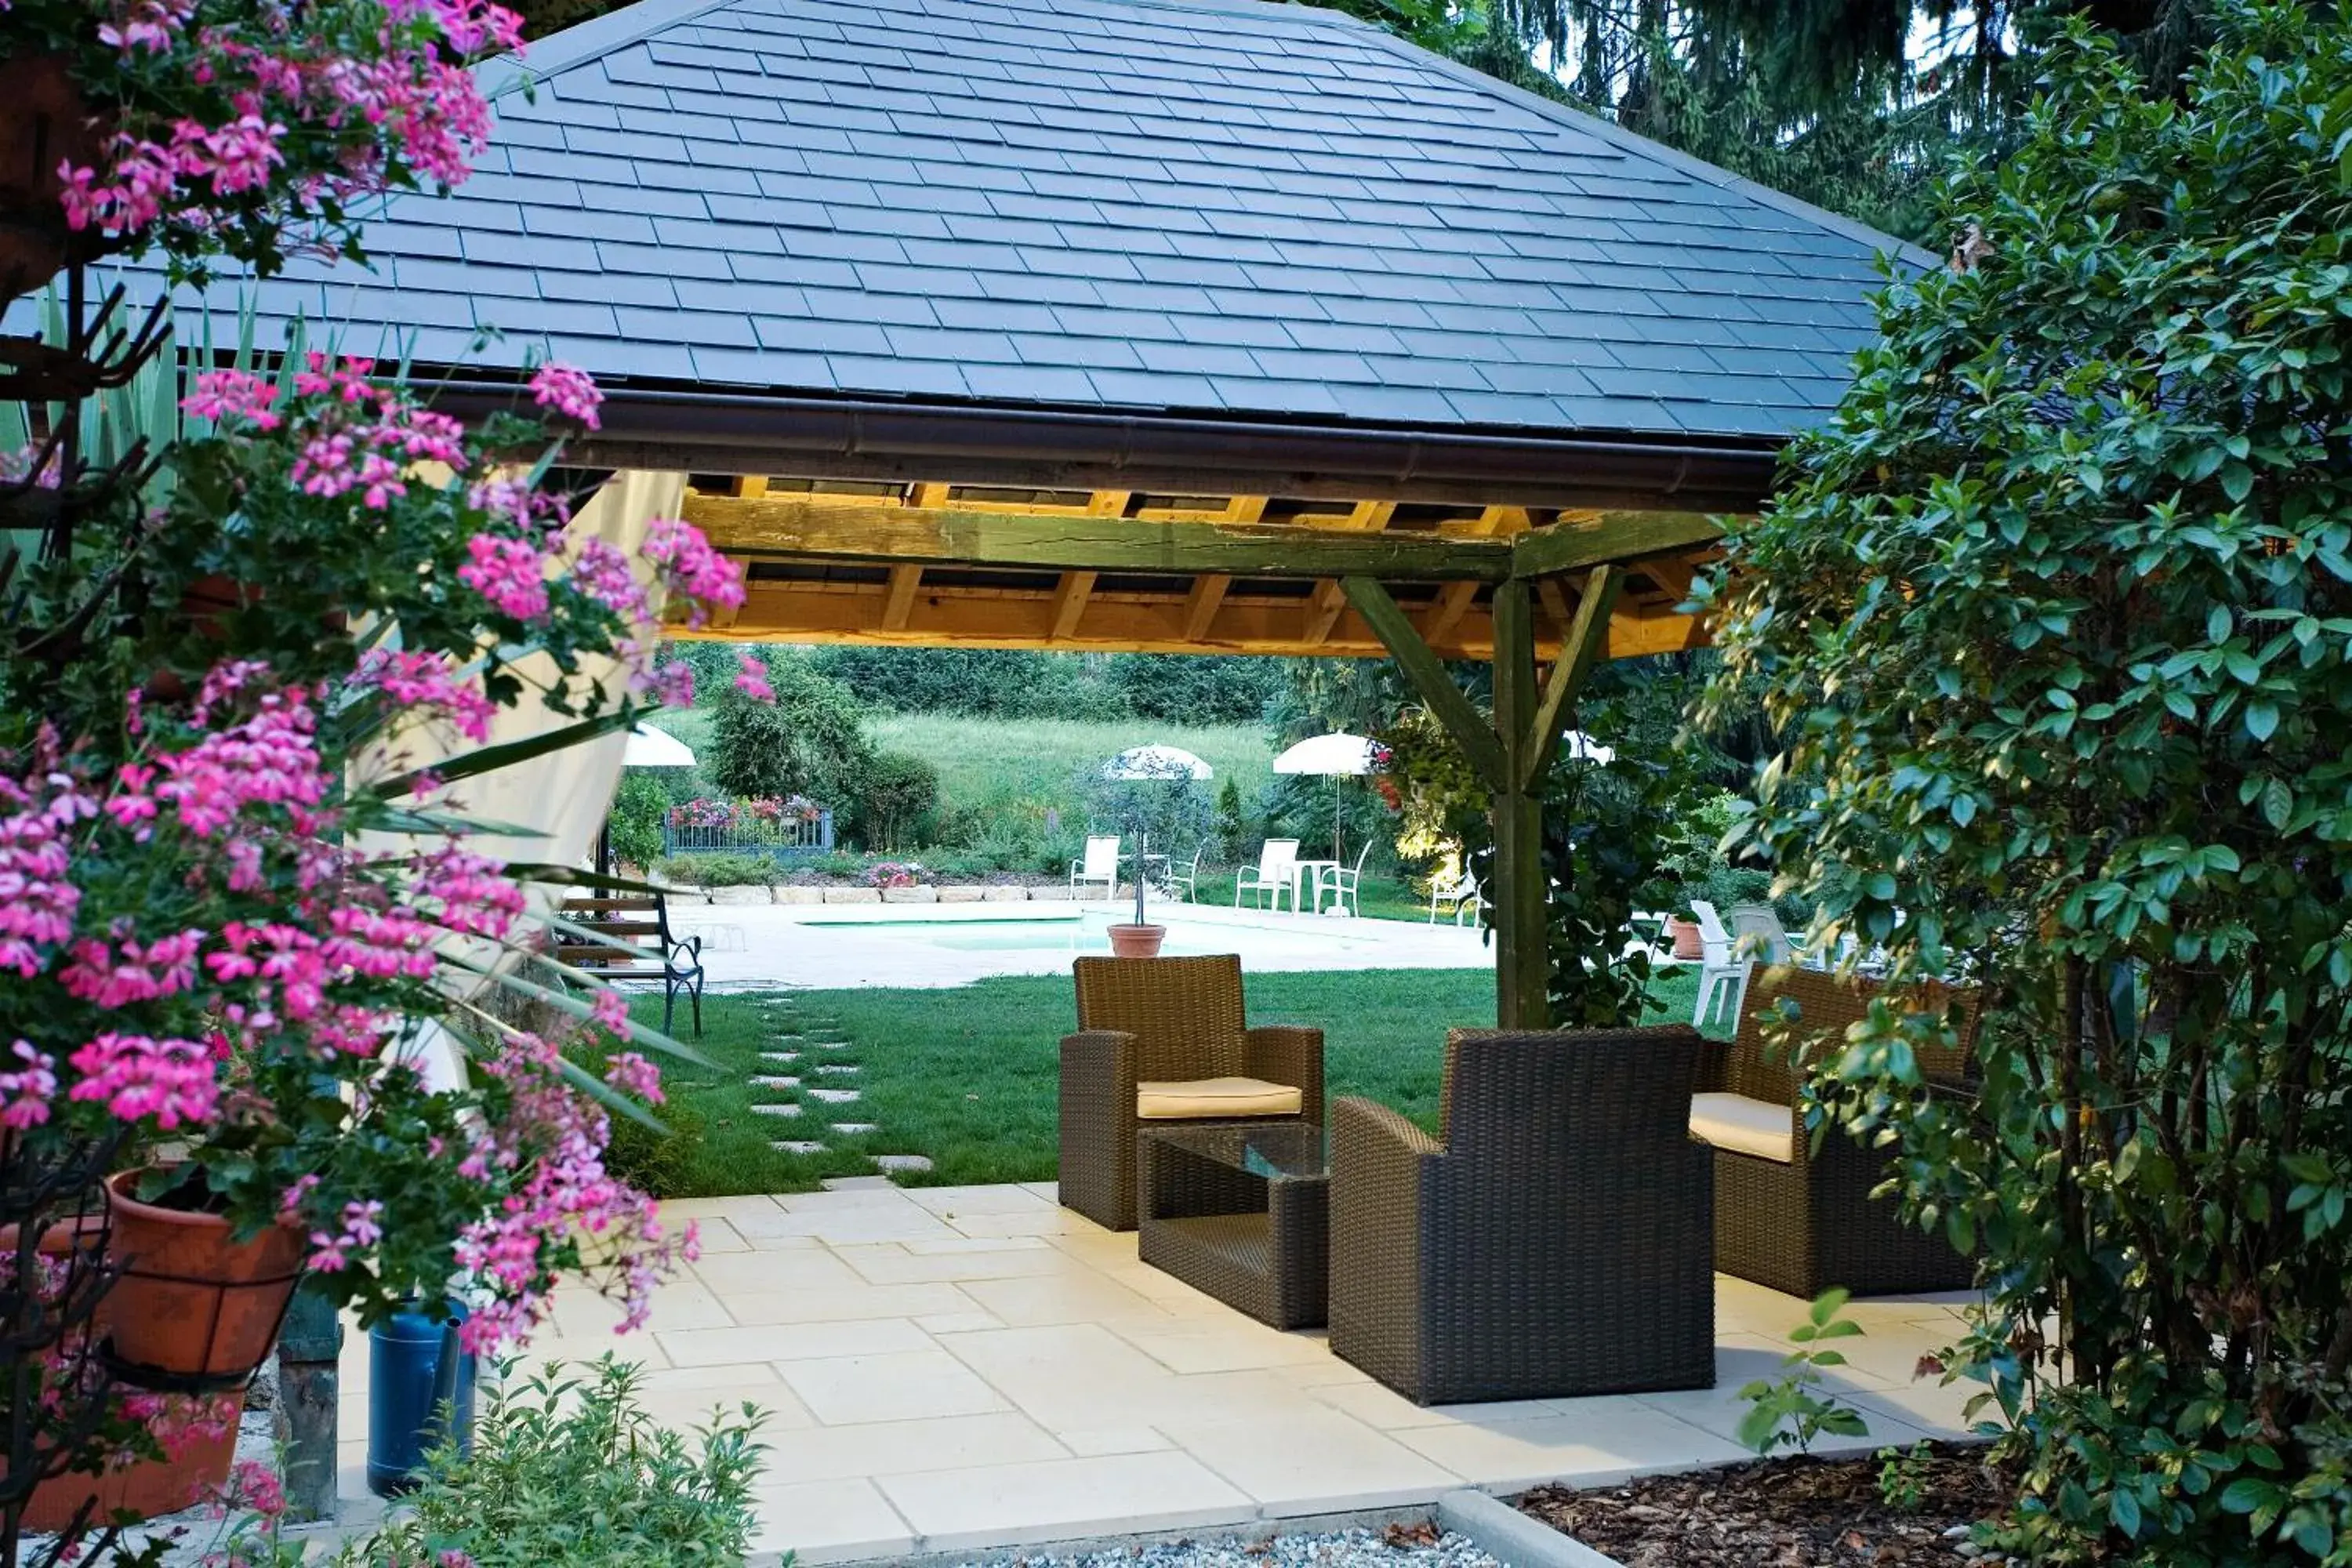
1463	722
1107	503
1323	612
1201	604
834	530
900	605
929	495
751	485
1371	514
1245	509
1617	536
1578	649
1070	602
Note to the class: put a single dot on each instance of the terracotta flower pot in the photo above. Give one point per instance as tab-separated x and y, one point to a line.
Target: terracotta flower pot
146	1486
1688	943
43	123
191	1300
1137	942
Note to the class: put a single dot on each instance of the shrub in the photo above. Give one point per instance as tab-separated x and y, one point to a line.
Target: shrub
573	1470
900	789
979	682
717	870
2071	561
807	742
1194	688
635	823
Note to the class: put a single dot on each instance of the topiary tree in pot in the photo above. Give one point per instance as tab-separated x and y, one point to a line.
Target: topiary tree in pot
2054	621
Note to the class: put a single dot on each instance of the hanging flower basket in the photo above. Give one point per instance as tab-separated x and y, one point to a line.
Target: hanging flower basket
43	123
194	1310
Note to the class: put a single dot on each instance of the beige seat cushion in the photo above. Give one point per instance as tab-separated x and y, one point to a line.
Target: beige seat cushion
1745	1126
1204	1097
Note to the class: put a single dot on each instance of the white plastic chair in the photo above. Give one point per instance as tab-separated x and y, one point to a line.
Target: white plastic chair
1186	882
1273	874
1100	865
1759	933
1462	892
1722	972
1343	884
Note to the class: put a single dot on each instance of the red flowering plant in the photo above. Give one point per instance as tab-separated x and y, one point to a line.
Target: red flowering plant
239	127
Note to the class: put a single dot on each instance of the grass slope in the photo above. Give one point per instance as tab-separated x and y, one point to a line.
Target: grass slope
984	760
968	1076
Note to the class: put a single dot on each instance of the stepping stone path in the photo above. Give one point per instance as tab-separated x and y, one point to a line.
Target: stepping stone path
793	1035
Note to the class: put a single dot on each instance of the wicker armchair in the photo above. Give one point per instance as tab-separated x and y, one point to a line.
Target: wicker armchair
1557	1241
1165	1038
1796	1218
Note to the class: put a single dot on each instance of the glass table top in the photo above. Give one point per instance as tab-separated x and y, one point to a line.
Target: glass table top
1290	1150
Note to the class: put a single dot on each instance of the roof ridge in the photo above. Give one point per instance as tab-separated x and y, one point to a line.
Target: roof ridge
587	41
1641	146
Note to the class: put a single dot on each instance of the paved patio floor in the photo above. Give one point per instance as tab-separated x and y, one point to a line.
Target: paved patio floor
954	1369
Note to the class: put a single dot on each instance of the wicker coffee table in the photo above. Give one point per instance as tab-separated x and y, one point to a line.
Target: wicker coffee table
1243	1213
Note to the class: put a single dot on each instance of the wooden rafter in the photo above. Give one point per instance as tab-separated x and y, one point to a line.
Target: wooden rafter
1323	612
1070	603
905	581
1201	603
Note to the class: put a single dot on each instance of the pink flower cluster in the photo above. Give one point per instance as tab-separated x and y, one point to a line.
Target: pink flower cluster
690	568
569	392
362	93
37	900
427	685
551	1141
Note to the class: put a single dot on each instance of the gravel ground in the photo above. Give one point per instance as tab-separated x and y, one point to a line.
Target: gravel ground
1398	1547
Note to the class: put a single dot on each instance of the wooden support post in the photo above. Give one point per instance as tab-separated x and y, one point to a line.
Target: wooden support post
1522	964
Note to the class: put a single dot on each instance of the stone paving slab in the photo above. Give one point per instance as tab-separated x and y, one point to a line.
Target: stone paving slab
975	1370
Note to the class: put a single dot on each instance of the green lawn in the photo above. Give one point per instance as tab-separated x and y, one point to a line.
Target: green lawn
968	1076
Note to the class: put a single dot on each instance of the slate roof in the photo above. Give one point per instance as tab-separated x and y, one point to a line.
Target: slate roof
1199	206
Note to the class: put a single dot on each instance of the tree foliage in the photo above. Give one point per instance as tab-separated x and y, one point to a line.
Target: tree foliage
807	742
2055	618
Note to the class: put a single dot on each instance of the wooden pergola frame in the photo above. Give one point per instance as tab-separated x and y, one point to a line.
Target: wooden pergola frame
936	564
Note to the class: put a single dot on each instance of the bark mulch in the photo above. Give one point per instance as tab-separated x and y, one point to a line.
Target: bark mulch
1792	1512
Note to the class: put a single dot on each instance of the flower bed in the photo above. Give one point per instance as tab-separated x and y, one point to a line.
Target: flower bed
1913	1509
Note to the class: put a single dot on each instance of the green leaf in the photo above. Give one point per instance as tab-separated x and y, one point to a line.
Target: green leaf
2261	720
489	759
1832	1301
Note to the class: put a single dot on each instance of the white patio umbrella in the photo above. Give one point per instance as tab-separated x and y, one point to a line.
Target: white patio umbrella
648	748
1340	755
1157	761
651	748
1152	764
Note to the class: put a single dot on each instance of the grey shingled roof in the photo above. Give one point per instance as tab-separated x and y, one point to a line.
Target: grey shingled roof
1201	205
